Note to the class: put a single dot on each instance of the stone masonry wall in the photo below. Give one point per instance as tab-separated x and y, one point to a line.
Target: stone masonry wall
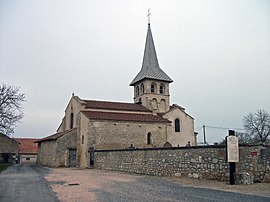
54	153
8	149
8	145
47	153
64	143
120	135
196	162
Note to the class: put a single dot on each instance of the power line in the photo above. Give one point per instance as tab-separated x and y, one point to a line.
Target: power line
224	128
214	127
199	128
218	127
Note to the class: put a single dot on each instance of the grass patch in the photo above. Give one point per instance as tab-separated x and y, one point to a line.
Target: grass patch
4	166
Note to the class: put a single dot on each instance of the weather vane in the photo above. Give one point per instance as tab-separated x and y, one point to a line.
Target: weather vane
148	15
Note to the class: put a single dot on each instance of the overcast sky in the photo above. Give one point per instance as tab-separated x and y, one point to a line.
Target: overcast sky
217	53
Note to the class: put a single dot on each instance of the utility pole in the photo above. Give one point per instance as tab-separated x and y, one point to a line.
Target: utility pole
204	137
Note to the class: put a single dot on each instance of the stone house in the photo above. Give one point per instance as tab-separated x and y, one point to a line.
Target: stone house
9	149
27	150
58	150
150	121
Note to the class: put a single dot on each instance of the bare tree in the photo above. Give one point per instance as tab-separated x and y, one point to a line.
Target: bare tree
243	138
257	126
10	108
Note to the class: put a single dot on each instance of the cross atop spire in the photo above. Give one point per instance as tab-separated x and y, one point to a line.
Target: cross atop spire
148	15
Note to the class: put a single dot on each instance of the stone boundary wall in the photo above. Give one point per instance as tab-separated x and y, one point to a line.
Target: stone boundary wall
207	162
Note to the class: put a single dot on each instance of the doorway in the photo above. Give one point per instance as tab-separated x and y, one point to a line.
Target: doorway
72	158
91	156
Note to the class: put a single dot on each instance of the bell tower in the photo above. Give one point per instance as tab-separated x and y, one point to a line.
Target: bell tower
151	85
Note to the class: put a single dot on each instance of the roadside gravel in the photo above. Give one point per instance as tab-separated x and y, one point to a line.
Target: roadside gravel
73	184
260	189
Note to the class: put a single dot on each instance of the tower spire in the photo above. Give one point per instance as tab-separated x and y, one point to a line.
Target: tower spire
150	67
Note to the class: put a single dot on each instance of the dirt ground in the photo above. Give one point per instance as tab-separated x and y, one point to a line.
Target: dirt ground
73	184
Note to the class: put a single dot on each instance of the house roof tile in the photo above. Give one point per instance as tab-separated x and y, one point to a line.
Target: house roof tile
120	106
54	136
27	145
96	115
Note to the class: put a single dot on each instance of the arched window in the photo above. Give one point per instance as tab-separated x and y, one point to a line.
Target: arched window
137	91
162	106
154	104
71	120
142	88
177	125
149	140
153	88
161	89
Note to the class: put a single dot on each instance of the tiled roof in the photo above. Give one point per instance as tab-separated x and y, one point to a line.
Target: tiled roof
27	145
177	106
55	136
150	67
96	115
120	106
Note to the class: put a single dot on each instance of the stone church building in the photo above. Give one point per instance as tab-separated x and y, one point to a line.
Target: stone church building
150	121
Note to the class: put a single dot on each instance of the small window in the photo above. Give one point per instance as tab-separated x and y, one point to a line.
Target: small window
27	158
149	140
153	88
71	120
177	125
82	139
161	89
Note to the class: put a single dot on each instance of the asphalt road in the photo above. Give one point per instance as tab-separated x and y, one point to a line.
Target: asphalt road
25	183
154	189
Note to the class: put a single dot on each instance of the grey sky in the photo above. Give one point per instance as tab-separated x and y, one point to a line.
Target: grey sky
217	53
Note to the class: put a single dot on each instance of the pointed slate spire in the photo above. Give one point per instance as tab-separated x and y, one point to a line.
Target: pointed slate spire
150	67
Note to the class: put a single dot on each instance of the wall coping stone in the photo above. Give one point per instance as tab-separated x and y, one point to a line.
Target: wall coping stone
176	148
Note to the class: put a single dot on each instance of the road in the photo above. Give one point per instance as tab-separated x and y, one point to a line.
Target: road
153	189
25	183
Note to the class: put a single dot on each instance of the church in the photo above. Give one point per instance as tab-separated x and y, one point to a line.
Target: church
149	121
